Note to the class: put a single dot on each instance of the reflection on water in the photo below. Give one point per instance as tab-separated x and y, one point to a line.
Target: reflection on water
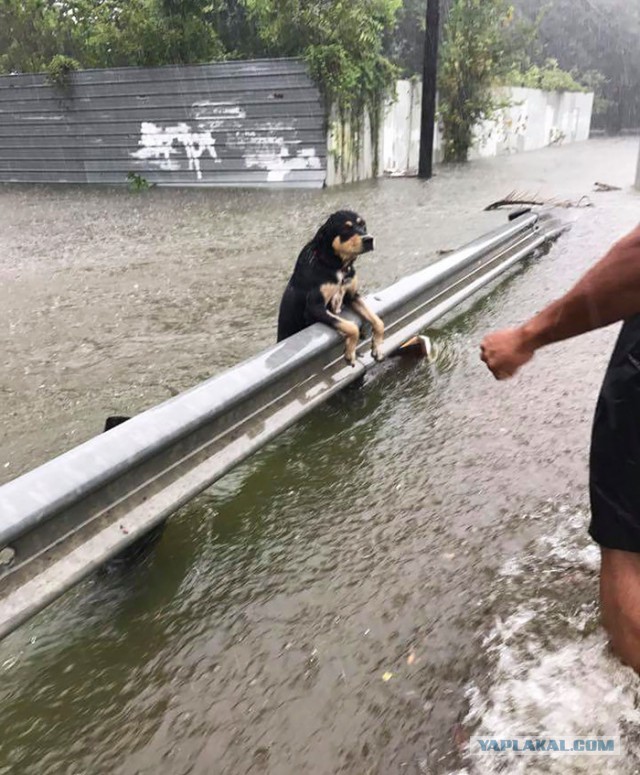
388	576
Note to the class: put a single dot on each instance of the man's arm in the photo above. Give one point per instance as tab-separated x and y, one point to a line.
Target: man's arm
608	292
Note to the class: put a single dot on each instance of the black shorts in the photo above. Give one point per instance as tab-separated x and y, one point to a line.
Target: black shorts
615	455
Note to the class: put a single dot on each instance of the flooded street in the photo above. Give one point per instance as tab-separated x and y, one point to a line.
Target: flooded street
407	566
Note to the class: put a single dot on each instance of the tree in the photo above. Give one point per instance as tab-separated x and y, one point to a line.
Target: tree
109	33
474	55
31	33
599	41
105	33
342	40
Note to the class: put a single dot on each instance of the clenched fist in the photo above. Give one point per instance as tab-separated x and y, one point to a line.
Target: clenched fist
506	351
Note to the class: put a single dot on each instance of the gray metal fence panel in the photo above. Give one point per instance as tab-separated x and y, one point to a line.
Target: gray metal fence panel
254	123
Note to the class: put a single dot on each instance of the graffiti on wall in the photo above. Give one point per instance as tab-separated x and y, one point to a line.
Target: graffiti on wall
219	131
160	145
280	163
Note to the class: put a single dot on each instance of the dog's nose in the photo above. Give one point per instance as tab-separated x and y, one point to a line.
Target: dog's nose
367	243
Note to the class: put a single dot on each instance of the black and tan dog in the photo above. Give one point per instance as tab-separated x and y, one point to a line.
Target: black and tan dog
324	279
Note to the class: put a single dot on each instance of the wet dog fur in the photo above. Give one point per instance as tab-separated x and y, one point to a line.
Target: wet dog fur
324	280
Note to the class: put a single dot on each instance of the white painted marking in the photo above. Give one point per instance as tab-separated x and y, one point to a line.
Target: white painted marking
262	147
158	145
280	165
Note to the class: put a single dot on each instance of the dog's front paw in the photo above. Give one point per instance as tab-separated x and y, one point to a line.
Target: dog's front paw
351	334
376	352
377	327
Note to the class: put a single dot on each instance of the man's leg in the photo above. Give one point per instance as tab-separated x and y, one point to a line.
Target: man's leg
620	603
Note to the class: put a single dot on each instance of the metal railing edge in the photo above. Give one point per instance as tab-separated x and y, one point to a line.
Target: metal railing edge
102	459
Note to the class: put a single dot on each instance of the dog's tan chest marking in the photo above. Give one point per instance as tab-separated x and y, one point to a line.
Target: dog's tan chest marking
334	293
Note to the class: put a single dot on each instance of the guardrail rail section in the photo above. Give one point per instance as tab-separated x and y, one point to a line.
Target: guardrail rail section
64	519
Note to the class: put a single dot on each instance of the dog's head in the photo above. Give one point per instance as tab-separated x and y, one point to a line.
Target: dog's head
345	235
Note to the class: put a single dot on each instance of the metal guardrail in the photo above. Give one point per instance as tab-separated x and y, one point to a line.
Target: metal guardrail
63	520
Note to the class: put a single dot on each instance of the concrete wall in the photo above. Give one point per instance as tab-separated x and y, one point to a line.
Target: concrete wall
252	123
401	129
534	119
352	154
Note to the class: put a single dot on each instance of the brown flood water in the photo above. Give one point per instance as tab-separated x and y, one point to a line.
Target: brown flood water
430	525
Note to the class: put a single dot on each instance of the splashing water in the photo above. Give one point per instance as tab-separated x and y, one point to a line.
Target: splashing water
552	674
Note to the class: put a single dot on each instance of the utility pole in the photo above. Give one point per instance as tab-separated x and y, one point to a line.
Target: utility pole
429	73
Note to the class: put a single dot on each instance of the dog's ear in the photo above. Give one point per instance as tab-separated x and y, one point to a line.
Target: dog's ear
323	235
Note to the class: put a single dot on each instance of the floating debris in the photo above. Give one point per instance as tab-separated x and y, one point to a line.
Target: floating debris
602	188
387	676
521	198
516	198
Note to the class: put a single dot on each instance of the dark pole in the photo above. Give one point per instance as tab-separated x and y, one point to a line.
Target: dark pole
429	72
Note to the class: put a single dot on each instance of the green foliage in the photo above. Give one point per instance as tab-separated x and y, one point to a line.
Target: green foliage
31	34
596	82
142	32
548	77
59	71
343	44
137	183
107	33
597	41
473	57
407	45
594	40
341	40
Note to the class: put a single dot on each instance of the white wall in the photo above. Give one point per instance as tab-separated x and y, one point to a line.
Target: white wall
349	157
401	129
533	120
638	174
